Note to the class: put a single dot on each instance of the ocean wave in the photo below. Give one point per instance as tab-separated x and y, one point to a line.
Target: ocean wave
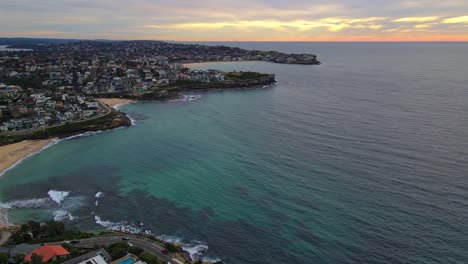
170	239
211	259
122	226
196	249
58	196
98	195
117	106
85	134
28	203
62	215
132	120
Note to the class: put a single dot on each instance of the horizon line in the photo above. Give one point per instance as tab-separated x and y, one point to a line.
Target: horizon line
279	41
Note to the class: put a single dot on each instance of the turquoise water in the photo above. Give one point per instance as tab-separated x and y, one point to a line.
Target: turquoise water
127	261
360	160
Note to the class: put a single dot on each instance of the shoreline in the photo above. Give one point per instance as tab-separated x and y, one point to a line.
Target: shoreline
116	103
189	63
13	154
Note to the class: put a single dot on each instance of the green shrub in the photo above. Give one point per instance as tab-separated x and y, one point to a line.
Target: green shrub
136	250
118	250
149	258
3	258
172	248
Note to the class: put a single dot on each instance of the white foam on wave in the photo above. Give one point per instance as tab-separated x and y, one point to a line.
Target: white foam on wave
196	249
53	142
170	239
132	120
62	215
85	134
117	106
58	196
28	203
121	226
98	195
211	260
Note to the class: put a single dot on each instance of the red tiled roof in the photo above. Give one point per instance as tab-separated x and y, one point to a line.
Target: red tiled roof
47	252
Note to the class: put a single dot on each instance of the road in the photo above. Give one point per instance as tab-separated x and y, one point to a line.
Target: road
146	244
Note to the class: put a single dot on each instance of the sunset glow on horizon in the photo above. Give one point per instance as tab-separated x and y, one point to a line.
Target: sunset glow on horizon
257	20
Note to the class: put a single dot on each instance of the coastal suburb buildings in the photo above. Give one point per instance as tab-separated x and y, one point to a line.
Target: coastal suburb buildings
55	84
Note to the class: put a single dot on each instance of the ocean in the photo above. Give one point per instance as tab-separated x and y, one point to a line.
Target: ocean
363	159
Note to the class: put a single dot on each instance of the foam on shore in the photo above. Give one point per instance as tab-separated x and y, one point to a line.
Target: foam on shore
195	248
50	144
122	226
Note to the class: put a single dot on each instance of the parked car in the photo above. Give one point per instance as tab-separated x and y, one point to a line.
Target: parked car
164	251
125	238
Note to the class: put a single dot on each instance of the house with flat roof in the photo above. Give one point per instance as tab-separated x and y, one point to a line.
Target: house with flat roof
99	256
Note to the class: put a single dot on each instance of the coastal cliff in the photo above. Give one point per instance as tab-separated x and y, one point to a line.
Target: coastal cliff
111	120
234	80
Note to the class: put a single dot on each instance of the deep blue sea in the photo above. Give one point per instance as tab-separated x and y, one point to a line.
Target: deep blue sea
363	159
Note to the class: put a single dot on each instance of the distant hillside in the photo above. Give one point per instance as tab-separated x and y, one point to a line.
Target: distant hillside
32	43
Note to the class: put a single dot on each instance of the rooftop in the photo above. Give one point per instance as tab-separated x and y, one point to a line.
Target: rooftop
47	252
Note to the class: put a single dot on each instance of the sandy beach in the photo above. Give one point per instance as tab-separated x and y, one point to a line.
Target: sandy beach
115	102
10	154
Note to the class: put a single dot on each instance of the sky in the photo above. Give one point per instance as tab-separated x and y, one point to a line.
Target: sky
240	20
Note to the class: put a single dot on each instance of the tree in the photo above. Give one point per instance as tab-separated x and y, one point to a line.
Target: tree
36	259
35	228
55	228
3	258
171	247
136	250
118	250
18	258
149	258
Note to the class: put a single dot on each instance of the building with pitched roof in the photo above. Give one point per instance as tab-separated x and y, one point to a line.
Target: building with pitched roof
49	253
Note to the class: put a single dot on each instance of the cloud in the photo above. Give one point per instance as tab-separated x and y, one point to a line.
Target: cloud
417	19
234	20
331	24
456	20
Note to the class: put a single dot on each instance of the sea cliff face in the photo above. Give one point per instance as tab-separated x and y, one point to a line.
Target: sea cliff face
267	79
171	92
